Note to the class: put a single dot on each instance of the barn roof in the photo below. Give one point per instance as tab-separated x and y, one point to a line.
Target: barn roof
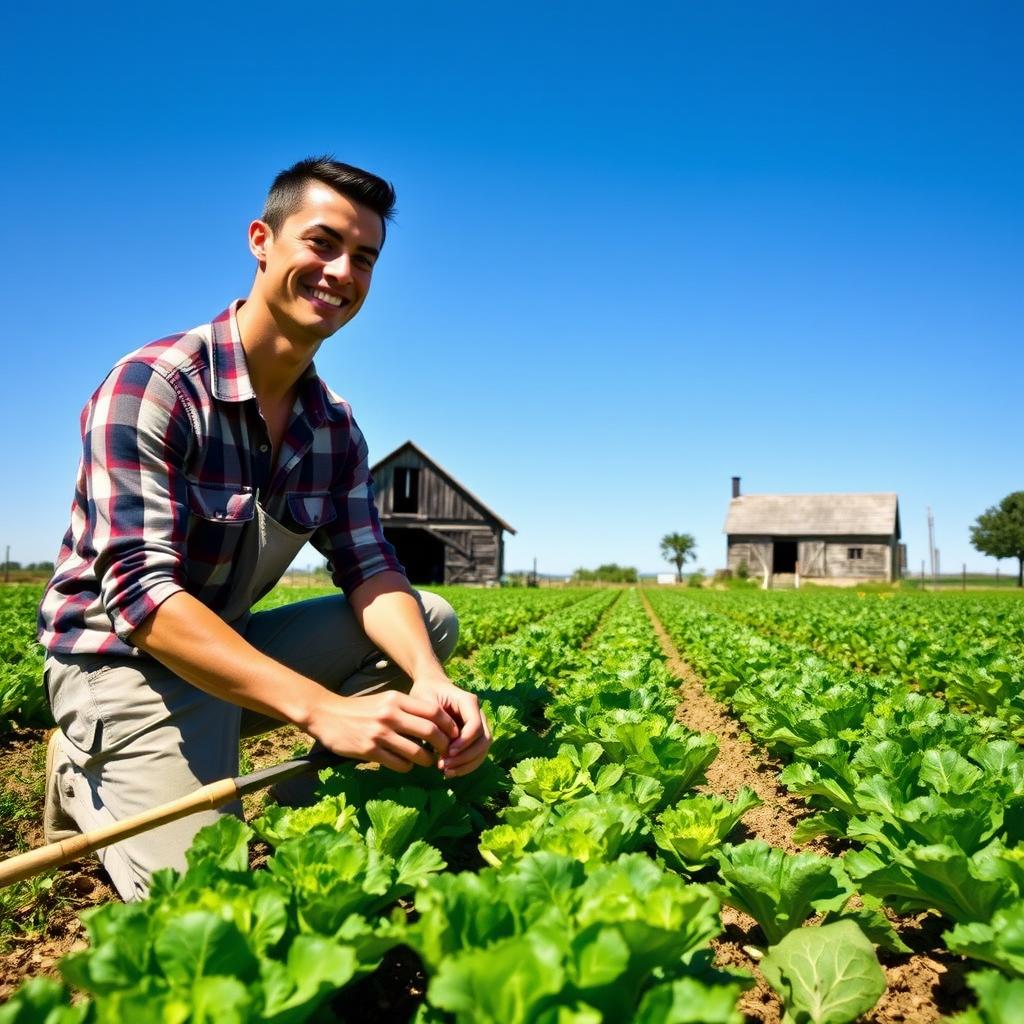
791	515
465	491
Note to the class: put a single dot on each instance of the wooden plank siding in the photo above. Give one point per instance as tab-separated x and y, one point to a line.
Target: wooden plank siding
482	566
446	512
437	499
755	551
820	557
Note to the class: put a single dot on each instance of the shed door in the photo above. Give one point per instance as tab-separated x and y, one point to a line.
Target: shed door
812	558
761	557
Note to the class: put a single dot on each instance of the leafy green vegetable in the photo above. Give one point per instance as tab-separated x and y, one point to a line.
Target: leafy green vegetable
509	982
278	823
940	877
594	827
691	830
43	1001
826	975
539	780
689	1001
999	1000
779	890
999	942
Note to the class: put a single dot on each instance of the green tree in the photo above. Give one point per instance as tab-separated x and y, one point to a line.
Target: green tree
677	548
611	572
999	531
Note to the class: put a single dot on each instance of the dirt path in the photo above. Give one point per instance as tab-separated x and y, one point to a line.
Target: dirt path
921	988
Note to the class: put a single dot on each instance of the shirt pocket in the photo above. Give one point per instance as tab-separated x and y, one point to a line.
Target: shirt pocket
221	504
311	511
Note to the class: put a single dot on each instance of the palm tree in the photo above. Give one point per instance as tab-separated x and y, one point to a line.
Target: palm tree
677	548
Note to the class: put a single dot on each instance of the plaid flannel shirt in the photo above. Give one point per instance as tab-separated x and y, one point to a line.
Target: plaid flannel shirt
175	457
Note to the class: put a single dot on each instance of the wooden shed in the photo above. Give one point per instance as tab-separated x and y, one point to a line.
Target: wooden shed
442	532
840	538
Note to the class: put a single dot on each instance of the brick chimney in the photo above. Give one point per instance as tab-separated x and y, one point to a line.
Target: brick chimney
735	486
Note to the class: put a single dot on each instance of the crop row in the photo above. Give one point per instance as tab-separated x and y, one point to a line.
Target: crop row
932	797
22	701
484	616
487	615
565	918
969	647
579	837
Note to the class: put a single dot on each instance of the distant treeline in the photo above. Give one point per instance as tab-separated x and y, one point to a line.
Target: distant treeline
610	573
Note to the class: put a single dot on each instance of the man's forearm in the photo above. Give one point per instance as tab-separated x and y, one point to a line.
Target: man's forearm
199	646
390	615
392	728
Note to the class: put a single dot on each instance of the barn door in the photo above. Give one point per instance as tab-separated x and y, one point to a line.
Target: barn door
812	558
761	556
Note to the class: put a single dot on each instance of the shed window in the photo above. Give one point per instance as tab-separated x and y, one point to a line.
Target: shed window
407	489
853	553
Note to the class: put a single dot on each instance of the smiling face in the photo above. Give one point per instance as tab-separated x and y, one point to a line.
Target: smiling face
315	270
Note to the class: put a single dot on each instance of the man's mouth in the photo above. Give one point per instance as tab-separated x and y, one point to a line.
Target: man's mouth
333	300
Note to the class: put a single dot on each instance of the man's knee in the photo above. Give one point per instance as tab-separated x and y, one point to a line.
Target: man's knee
442	624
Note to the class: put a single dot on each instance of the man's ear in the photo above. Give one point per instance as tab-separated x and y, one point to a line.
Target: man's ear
260	238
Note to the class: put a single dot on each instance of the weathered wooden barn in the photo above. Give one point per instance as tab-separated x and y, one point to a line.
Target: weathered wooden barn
785	538
441	531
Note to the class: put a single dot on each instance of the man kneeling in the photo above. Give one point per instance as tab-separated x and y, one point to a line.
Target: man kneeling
209	459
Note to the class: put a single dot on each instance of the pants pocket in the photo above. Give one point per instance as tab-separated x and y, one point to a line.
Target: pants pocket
72	701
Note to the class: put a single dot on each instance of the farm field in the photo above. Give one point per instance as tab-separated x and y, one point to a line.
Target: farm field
700	806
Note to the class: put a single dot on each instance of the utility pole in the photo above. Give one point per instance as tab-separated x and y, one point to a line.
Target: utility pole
931	542
7	565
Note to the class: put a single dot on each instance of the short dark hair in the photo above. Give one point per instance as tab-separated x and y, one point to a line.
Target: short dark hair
289	189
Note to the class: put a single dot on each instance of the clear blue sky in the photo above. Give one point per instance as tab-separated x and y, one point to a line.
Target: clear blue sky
640	248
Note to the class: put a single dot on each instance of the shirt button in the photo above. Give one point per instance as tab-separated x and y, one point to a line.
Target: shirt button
264	447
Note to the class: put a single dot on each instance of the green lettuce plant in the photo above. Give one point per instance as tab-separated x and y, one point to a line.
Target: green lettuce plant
779	890
999	942
692	829
999	999
824	975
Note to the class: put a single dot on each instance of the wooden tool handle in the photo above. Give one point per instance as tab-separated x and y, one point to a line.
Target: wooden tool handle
46	857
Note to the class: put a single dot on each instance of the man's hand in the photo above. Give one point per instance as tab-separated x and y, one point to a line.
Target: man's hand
385	727
468	751
391	617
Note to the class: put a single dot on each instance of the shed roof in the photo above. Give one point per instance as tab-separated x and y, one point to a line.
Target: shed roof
791	515
465	491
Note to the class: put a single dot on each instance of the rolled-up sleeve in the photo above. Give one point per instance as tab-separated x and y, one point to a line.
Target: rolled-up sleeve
136	435
353	542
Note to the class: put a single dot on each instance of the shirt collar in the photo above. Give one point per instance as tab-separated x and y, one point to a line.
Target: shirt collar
230	372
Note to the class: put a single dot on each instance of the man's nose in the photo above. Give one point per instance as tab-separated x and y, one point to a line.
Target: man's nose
340	267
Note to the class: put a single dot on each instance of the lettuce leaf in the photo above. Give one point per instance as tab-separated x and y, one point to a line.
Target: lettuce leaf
999	999
826	975
999	942
691	830
779	890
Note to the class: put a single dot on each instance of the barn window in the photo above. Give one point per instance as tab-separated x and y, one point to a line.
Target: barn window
854	553
407	489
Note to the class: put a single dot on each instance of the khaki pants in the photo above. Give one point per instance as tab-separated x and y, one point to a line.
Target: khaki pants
134	735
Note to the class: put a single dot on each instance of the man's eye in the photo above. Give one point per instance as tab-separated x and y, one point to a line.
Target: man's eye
320	243
365	262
